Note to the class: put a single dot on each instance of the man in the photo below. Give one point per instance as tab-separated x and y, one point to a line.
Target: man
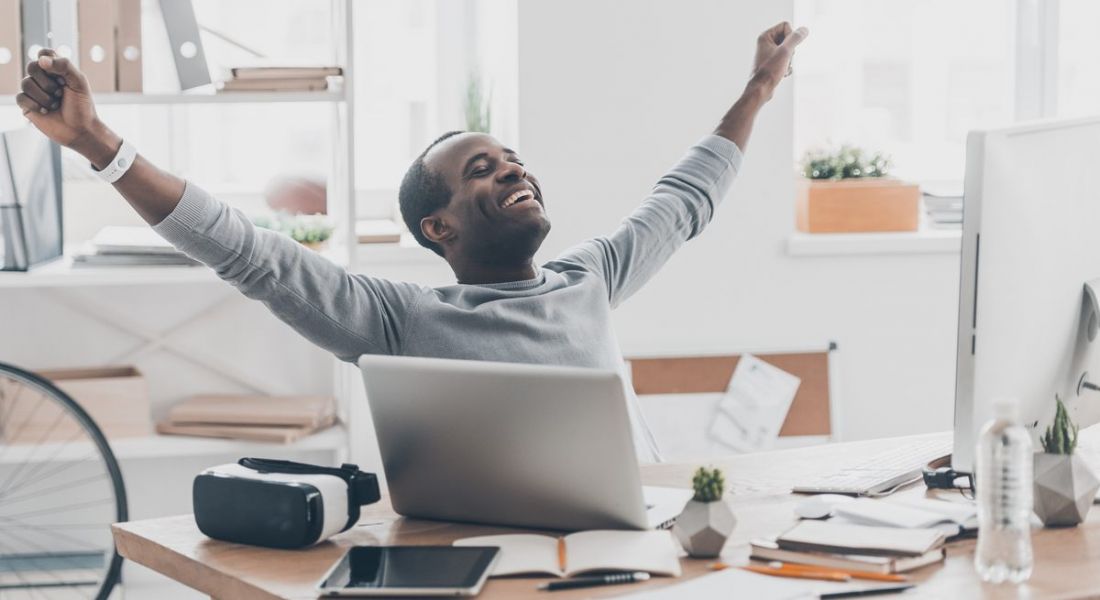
469	199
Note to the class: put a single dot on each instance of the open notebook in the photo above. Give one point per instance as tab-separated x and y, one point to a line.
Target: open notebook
652	551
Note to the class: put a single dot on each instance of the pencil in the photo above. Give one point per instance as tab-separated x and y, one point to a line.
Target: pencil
799	574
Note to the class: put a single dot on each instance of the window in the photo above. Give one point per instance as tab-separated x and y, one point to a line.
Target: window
908	78
912	78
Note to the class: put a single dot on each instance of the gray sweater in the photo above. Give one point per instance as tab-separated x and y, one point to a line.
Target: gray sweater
561	317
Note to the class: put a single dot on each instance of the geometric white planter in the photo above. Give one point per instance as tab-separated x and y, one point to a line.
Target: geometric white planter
704	527
1064	489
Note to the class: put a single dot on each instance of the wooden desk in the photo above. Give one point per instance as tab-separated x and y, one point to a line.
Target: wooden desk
1067	561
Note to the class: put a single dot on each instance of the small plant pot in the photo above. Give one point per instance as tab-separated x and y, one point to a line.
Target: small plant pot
704	527
315	246
1064	489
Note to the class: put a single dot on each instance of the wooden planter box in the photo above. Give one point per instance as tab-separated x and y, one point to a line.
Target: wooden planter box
857	205
117	399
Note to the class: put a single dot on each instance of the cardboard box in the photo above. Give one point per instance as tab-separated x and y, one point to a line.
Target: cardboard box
117	399
857	205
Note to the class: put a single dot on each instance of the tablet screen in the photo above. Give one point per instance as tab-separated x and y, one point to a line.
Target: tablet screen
424	567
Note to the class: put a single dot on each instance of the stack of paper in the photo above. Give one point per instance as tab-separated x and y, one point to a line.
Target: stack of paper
943	206
129	246
279	78
843	538
258	418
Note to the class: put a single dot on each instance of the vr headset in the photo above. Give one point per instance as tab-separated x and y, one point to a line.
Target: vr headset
279	503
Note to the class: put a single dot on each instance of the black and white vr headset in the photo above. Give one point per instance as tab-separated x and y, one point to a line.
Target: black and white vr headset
278	503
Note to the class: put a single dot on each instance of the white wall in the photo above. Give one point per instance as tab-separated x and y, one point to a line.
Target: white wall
611	94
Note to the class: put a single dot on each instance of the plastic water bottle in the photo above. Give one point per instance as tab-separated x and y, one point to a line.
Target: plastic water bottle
1003	471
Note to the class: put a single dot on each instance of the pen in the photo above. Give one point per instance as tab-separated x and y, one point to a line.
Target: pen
799	574
580	582
892	589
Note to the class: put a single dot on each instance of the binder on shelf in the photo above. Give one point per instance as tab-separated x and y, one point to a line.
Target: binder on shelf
128	46
11	47
96	25
183	36
36	28
63	29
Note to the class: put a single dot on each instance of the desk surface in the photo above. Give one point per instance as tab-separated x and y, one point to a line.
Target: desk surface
1067	561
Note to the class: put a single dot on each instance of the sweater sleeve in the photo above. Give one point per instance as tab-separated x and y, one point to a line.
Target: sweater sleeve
679	207
346	314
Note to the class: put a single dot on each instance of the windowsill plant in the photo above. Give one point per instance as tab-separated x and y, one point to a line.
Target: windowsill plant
311	231
849	190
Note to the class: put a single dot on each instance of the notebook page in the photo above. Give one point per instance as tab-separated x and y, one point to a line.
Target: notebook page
520	553
651	551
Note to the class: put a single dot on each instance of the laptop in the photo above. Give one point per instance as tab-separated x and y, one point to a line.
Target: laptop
510	444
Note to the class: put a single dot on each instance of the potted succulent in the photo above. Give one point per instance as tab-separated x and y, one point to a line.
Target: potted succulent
706	521
850	190
1064	485
312	231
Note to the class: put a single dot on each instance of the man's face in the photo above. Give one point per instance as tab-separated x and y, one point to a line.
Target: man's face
496	210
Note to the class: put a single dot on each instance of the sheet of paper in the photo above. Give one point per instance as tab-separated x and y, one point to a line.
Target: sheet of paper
755	404
738	583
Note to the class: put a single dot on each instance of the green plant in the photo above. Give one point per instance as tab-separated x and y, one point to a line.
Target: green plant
478	114
305	229
1061	436
709	485
846	162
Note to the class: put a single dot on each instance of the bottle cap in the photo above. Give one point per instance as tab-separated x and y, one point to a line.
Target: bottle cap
1007	408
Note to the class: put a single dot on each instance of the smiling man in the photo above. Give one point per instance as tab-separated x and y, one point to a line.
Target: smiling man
469	199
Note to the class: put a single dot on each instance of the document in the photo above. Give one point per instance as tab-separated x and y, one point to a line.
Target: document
737	583
755	404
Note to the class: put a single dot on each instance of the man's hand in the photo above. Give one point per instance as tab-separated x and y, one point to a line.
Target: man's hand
774	49
57	100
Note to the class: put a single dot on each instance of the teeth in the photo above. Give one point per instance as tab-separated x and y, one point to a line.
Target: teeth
516	197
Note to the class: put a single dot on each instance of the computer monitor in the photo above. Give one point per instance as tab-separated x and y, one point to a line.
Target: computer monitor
1030	243
30	199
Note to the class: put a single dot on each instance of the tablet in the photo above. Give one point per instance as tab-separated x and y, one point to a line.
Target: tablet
410	571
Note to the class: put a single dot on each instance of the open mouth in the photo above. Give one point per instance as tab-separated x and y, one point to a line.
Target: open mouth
518	197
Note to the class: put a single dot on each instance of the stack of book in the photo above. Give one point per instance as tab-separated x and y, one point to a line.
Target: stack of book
129	247
943	207
853	548
281	419
275	78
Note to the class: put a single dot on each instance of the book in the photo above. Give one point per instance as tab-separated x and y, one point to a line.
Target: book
128	47
187	50
285	72
214	409
845	538
281	434
768	550
952	518
96	40
652	551
312	84
11	47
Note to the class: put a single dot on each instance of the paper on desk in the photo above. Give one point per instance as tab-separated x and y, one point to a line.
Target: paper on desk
738	583
755	404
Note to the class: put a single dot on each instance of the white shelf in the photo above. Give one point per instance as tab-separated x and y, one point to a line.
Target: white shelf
925	241
174	446
61	273
119	98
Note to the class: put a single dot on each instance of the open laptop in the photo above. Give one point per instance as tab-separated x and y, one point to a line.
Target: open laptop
510	444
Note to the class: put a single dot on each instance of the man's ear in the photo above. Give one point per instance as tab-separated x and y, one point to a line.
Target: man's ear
436	229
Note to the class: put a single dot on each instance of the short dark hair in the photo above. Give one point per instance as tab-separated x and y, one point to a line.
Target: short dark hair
423	192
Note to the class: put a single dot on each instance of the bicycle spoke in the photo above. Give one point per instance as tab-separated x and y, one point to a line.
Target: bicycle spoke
61	508
51	572
7	414
52	532
64	466
49	460
37	446
8	500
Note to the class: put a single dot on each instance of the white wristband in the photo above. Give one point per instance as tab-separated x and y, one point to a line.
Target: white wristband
119	164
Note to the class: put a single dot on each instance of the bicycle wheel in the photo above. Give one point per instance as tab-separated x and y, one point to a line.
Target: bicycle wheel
60	490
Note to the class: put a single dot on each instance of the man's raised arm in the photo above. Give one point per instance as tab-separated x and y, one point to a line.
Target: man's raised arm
684	199
346	314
